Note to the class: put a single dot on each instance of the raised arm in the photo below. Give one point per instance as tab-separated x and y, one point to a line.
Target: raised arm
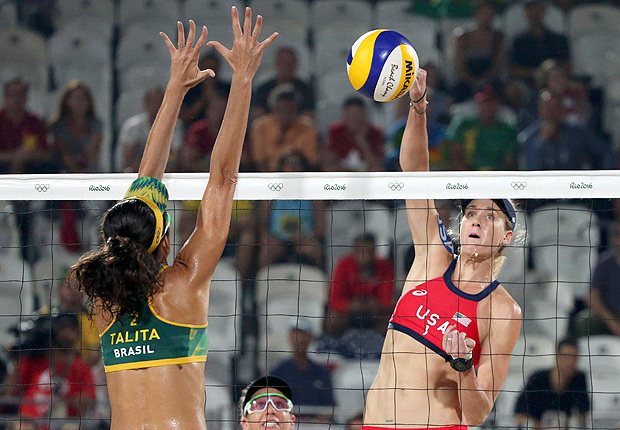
414	157
184	74
203	249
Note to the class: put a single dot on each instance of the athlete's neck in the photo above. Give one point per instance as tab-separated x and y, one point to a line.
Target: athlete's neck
472	274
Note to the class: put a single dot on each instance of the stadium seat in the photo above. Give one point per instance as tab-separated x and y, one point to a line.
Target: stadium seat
611	110
128	104
16	296
531	353
592	54
331	49
209	12
140	45
96	10
421	31
605	412
336	12
565	242
351	381
8	14
82	26
593	19
24	55
136	79
225	308
349	219
285	292
503	413
296	12
290	281
514	20
219	408
600	356
292	35
163	13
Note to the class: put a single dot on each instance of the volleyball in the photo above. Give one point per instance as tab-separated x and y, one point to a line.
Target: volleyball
382	65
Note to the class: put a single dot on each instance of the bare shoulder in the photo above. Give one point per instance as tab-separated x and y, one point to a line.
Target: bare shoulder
504	306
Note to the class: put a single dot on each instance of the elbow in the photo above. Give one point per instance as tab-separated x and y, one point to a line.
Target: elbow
230	176
479	415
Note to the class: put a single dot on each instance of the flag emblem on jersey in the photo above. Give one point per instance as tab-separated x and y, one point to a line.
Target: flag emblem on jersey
462	319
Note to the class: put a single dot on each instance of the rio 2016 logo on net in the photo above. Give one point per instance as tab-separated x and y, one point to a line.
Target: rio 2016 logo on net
335	187
99	188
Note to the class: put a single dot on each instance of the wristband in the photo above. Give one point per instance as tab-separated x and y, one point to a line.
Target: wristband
419	112
421	98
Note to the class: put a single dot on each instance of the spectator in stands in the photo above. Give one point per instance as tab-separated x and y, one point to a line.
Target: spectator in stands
23	136
602	316
361	291
194	154
23	149
553	144
537	44
482	141
479	54
574	94
135	130
518	98
264	401
196	102
281	129
310	382
76	130
285	68
58	383
292	231
354	143
552	396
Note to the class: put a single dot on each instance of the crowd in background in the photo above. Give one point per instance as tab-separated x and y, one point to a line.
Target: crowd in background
508	105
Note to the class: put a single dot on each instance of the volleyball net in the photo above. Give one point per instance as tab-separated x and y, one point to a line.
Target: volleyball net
290	234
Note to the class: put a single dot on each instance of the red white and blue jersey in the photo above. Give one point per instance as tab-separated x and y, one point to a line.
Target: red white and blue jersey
426	311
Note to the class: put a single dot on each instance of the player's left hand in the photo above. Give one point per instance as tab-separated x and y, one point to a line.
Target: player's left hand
456	343
247	51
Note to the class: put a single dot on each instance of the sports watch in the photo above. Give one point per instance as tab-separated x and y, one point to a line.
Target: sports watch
462	364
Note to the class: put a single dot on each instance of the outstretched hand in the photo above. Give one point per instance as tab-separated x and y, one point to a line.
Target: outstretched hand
246	53
416	92
184	69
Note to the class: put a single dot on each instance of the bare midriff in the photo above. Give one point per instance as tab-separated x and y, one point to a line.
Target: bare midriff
149	398
414	387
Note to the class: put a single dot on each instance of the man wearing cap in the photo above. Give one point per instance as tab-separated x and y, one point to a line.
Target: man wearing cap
311	382
267	402
482	141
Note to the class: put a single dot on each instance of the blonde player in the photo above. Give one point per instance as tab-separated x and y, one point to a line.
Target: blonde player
448	344
152	318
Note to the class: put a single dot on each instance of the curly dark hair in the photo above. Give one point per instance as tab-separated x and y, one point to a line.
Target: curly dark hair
120	273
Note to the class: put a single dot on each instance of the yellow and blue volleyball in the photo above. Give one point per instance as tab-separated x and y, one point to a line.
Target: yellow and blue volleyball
382	65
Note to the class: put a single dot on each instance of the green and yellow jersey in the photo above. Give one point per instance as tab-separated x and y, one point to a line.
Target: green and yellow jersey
149	340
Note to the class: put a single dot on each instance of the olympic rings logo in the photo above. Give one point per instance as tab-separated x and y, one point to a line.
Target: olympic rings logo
276	186
42	188
520	186
396	186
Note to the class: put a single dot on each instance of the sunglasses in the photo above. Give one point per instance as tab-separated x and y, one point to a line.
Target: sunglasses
260	402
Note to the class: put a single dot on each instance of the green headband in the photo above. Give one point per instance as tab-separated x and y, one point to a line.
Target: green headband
154	194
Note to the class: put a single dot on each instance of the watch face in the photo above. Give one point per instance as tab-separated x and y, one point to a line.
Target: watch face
462	364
